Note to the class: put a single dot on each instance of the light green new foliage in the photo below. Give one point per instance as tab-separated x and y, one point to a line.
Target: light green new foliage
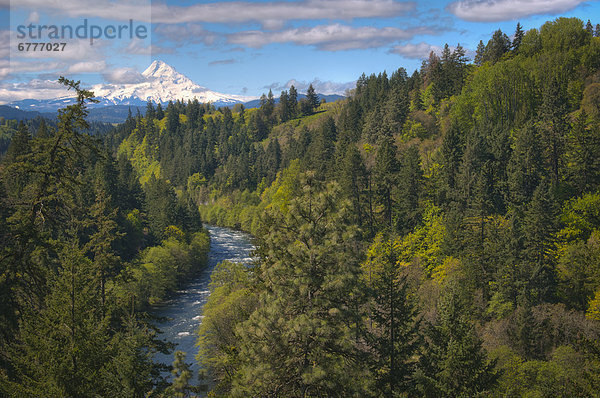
231	302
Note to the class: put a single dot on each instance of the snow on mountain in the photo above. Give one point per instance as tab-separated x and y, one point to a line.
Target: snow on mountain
161	83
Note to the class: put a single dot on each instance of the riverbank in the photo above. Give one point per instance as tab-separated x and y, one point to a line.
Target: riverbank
183	310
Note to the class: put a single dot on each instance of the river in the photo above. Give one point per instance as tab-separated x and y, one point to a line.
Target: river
183	310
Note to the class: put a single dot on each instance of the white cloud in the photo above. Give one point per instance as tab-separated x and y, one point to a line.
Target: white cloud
504	10
271	14
334	37
138	47
186	33
139	10
38	89
87	67
124	75
415	51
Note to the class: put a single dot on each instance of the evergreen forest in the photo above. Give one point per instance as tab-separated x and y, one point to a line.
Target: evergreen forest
433	234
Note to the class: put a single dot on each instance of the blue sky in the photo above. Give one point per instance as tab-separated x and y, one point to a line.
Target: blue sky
248	46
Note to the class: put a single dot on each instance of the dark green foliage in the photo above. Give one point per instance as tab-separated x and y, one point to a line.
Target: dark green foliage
70	214
410	183
312	98
517	39
385	175
539	225
392	334
583	155
498	45
466	166
453	363
479	53
353	181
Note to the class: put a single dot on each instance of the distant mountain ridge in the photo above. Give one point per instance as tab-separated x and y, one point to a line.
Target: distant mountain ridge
161	83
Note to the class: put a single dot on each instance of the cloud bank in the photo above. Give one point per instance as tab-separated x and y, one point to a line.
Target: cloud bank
505	10
334	37
415	51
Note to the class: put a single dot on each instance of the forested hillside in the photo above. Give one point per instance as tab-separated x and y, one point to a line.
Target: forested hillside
85	249
435	234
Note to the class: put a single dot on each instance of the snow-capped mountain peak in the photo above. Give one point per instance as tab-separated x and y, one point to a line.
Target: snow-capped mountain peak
159	68
160	82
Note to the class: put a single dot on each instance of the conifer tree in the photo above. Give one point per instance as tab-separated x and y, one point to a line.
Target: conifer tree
353	181
539	226
480	53
385	178
517	39
589	27
393	331
293	101
182	375
19	144
299	342
453	363
312	98
583	154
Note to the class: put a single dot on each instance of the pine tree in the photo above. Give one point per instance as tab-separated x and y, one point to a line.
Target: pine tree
393	332
539	226
589	27
312	98
453	363
353	181
64	345
395	111
19	144
182	375
480	53
150	112
172	120
160	114
497	46
323	147
293	101
284	107
526	168
42	131
517	39
452	153
410	184
101	241
385	179
583	155
299	342
269	108
553	126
